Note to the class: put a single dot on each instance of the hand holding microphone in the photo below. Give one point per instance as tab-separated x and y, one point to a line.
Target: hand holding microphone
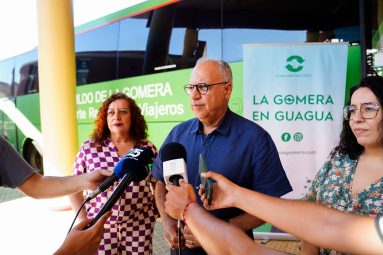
134	166
92	180
143	155
177	198
173	156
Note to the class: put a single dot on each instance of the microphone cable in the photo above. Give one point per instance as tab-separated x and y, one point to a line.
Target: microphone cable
179	237
75	217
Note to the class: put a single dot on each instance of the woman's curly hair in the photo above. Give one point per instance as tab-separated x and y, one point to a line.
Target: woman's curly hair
348	143
138	129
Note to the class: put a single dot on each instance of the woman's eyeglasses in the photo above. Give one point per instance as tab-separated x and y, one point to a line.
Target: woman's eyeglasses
367	111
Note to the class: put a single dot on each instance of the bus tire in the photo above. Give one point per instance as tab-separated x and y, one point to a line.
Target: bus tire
33	157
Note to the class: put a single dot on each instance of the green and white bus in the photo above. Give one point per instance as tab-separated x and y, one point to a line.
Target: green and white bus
147	51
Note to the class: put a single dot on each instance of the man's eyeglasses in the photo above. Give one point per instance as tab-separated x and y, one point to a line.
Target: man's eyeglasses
202	87
367	111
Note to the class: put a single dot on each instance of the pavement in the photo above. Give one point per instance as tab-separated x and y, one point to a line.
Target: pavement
38	227
31	226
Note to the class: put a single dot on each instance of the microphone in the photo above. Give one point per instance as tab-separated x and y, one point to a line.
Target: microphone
173	156
142	154
134	169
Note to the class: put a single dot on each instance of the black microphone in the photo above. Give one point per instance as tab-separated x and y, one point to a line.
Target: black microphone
135	170
173	156
143	154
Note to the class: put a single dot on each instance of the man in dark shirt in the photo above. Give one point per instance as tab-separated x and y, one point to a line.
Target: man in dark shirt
233	146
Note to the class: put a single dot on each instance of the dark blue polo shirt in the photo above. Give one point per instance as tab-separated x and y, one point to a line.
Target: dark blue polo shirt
239	149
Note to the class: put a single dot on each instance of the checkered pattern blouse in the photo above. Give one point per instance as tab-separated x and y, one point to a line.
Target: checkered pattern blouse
129	229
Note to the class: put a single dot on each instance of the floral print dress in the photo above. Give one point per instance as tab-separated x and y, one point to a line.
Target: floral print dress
332	187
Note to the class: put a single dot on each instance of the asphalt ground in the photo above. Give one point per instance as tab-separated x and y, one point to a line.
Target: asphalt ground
38	227
31	226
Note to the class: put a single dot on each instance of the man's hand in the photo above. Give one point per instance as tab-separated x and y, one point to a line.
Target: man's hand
224	192
190	241
177	198
93	179
84	242
170	233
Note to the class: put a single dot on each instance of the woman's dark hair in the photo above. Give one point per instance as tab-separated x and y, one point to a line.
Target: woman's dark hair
348	143
138	128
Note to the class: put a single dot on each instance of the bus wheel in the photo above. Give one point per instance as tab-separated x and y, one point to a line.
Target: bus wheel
33	157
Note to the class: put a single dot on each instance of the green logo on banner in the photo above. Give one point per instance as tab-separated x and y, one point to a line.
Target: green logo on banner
286	137
298	136
294	63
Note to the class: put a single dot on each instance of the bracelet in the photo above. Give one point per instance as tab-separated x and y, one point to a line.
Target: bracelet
184	211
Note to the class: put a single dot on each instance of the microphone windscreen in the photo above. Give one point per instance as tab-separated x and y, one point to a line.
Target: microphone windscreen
137	170
119	169
172	151
144	154
137	158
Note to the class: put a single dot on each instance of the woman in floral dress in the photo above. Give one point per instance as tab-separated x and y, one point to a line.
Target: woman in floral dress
352	179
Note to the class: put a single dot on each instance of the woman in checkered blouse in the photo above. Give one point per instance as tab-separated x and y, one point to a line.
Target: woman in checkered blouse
119	127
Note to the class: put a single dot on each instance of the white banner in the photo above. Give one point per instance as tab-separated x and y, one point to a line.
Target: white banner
296	92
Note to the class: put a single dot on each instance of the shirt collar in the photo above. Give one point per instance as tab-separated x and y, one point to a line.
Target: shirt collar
108	143
223	128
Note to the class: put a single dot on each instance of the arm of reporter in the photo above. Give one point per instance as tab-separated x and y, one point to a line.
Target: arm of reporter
315	224
246	221
169	224
38	186
219	237
214	235
309	249
83	242
310	222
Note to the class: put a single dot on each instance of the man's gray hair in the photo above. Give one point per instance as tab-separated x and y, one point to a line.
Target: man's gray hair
224	68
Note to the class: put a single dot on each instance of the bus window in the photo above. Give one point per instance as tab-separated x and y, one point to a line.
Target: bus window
190	44
235	38
164	40
197	32
157	47
132	43
26	74
7	70
177	41
96	55
159	40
